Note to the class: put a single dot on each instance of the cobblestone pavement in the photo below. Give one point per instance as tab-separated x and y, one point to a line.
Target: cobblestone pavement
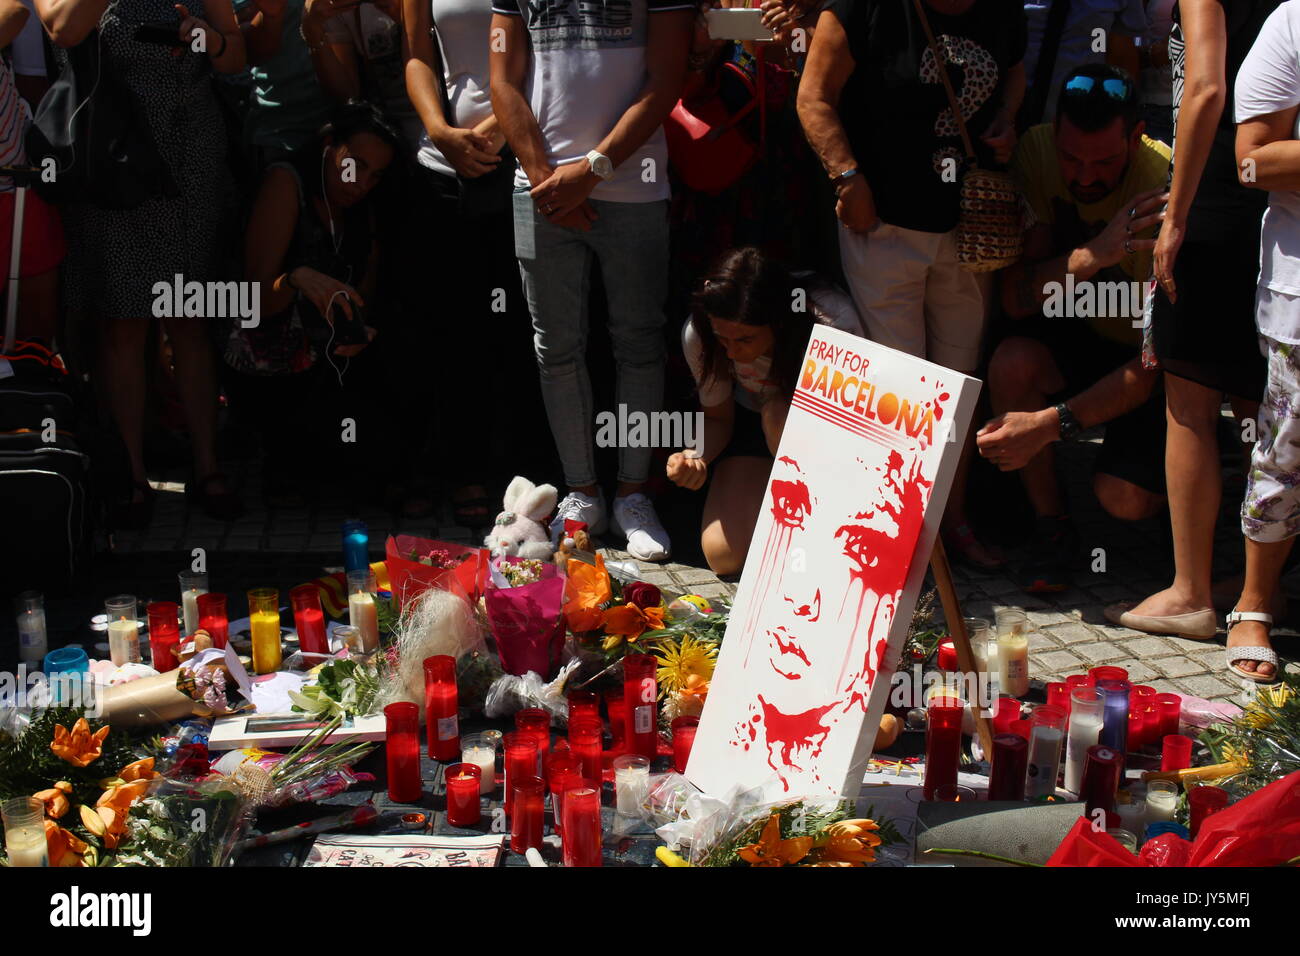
1070	633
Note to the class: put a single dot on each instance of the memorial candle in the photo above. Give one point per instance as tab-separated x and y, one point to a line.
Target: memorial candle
123	629
1176	753
1013	651
617	715
557	768
535	721
1202	802
683	729
463	808
214	618
1107	672
584	741
582	834
1058	695
1045	738
640	693
356	541
582	703
1102	771
442	707
476	749
1114	728
164	634
1171	708
193	584
1086	720
631	784
1162	801
520	762
1007	773
362	612
24	828
403	752
942	744
526	812
309	619
33	644
264	622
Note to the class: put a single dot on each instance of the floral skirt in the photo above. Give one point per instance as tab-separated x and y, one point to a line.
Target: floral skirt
1271	509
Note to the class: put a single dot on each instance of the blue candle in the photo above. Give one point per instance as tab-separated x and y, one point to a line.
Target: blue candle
1114	729
356	536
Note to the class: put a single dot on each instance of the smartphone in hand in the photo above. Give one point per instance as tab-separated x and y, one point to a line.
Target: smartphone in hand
160	33
737	23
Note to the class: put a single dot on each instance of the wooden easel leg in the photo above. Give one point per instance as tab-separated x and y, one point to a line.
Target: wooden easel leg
957	631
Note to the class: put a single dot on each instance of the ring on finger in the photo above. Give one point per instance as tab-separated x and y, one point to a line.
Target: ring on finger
1128	246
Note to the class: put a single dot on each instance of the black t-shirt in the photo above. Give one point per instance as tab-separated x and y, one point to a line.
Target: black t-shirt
894	108
1223	209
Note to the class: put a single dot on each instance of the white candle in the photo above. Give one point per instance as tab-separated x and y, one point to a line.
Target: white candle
1013	664
631	784
32	644
364	616
485	758
123	641
1085	728
1044	761
26	846
1160	805
1132	817
190	606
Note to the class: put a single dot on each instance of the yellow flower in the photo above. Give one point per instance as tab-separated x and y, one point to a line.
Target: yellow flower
79	746
771	850
679	662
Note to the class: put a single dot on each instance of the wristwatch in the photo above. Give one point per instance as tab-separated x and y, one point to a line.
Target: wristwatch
1069	424
600	165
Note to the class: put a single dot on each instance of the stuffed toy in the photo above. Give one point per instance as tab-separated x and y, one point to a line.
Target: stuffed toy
573	539
518	530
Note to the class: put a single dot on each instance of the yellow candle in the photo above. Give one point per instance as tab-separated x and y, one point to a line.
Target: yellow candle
364	616
265	626
123	642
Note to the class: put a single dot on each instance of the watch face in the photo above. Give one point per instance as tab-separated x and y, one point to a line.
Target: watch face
602	167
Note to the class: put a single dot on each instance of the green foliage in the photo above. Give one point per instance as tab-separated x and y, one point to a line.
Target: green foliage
344	687
27	764
1265	739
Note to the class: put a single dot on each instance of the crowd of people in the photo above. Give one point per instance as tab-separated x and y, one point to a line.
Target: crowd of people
421	188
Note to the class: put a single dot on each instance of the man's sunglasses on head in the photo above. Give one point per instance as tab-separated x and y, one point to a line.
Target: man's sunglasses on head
1116	89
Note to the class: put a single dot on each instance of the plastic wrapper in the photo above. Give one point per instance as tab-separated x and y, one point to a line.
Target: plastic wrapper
310	790
1200	713
409	577
178	824
715	827
510	693
526	621
1168	849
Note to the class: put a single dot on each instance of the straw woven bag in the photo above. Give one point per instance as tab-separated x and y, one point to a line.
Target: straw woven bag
990	229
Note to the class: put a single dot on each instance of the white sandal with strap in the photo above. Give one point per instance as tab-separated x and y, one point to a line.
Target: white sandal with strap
1265	655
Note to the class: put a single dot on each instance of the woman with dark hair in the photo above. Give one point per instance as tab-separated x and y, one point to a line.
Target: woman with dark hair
311	246
749	326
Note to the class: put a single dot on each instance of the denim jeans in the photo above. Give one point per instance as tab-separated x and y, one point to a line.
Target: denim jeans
630	240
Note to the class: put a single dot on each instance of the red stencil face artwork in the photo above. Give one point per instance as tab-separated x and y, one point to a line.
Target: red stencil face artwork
824	582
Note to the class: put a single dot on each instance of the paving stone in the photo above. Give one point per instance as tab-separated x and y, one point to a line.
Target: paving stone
1042	619
696	576
1146	647
1165	687
1073	633
1179	666
1041	641
1057	664
1098	653
1138	672
1110	593
1185	646
1207	686
659	578
718	590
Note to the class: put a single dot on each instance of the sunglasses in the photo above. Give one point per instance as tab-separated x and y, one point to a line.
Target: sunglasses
1116	89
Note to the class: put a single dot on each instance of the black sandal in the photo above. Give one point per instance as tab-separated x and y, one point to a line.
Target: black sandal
221	505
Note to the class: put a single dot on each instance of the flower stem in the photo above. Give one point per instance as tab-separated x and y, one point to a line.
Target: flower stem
984	856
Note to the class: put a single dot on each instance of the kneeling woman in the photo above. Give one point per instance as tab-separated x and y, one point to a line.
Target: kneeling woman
750	322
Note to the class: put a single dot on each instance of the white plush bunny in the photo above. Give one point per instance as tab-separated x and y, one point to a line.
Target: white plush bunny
518	531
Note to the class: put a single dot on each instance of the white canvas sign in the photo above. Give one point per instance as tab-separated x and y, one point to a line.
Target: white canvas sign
837	559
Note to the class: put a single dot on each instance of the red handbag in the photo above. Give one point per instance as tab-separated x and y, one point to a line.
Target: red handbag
707	147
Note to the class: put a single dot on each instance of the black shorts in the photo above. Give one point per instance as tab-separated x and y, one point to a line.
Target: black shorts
1134	446
747	438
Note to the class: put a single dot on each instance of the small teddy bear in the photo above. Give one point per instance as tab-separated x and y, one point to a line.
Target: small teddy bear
518	530
571	541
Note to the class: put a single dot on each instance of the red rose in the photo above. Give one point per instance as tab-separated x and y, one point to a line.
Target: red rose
643	595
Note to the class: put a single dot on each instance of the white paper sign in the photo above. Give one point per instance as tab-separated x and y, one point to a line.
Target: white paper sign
833	571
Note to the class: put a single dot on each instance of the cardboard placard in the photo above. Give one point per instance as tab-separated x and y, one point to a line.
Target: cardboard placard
833	572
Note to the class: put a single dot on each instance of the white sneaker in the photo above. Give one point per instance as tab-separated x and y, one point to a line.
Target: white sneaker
578	507
635	516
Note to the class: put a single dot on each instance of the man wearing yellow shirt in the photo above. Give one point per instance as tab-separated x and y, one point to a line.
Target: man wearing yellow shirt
1095	187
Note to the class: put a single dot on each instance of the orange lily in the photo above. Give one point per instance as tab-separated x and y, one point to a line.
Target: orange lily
55	799
123	795
771	850
851	841
79	746
138	770
696	687
64	848
631	621
586	588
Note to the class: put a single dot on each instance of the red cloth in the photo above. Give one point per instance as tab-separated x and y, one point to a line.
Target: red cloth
43	245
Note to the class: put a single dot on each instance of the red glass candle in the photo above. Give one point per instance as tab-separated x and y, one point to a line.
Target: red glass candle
1077	680
535	721
520	761
1058	695
1107	673
584	741
1202	802
1176	753
308	619
403	747
1008	709
1007	773
441	707
617	715
1136	740
164	634
463	782
683	739
946	657
1102	770
583	703
1142	690
640	693
582	831
942	743
558	768
527	795
1150	711
1022	728
1171	709
213	618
